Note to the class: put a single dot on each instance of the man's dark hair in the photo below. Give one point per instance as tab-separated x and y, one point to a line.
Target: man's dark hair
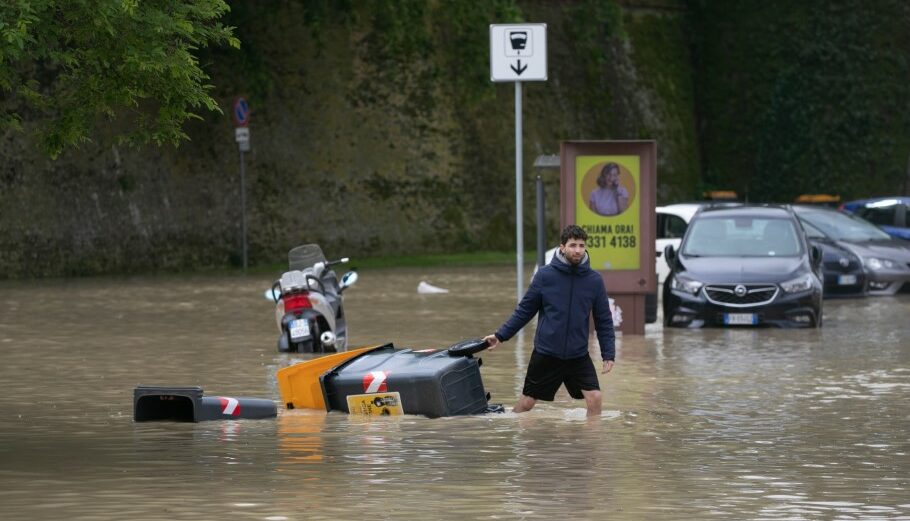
572	232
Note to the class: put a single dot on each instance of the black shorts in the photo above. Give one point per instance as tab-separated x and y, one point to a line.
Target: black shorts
546	373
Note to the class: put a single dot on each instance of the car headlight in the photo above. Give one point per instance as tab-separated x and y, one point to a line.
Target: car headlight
686	285
875	263
801	283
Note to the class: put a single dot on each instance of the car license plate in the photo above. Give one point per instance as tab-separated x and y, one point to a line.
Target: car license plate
740	319
846	280
300	329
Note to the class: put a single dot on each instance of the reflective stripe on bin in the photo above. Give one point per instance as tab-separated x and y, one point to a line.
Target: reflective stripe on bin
375	382
229	406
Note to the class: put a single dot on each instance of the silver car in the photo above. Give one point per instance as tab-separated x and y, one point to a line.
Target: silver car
886	259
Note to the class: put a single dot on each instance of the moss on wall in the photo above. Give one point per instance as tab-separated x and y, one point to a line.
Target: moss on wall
375	129
661	54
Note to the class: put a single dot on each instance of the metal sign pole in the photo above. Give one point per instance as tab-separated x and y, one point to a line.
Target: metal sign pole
541	222
518	53
241	116
519	235
243	208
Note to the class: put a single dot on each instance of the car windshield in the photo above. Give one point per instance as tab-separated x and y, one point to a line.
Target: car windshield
843	227
734	236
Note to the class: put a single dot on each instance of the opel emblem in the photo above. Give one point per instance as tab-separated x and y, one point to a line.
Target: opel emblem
740	290
843	261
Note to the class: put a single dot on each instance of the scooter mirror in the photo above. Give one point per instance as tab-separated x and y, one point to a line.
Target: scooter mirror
348	279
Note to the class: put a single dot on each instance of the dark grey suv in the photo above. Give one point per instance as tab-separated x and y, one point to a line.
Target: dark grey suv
744	266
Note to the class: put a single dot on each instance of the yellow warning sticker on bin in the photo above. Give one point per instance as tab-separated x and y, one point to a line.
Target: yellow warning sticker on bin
375	404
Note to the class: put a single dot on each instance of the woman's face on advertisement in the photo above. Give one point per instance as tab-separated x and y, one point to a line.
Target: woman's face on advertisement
613	177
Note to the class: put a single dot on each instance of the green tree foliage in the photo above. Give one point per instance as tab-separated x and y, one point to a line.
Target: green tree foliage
64	65
804	97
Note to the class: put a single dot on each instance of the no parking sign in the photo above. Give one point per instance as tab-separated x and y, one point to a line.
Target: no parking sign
241	112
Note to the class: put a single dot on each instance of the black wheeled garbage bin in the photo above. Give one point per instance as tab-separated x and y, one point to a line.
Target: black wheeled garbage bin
390	381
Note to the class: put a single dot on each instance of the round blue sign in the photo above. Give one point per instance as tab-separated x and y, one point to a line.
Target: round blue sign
241	112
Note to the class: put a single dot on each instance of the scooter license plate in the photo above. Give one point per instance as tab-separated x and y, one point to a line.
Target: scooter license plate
300	328
740	319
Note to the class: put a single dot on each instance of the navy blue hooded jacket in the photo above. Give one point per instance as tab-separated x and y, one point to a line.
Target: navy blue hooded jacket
564	296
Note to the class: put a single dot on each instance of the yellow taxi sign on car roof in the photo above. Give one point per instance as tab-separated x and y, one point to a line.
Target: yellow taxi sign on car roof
818	199
720	195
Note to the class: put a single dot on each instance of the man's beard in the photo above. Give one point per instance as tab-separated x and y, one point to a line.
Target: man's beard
571	260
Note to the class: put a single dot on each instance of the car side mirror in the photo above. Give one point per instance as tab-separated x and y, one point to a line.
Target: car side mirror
816	254
347	280
669	254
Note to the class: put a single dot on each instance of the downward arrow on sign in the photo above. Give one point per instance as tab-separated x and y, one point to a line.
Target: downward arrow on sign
518	70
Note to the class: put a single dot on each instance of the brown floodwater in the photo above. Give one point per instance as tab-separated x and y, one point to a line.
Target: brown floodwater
723	424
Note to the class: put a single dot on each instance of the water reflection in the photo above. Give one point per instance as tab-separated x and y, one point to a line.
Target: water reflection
731	424
300	436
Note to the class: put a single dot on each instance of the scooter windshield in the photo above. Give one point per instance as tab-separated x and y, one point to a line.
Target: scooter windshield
304	256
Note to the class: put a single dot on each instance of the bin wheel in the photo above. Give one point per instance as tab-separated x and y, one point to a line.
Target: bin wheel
468	347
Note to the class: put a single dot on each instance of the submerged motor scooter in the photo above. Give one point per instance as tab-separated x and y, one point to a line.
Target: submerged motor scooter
309	303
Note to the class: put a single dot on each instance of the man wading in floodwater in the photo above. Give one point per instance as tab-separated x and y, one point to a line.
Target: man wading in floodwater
564	293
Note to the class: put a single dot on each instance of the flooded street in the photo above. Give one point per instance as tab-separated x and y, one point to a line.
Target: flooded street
724	424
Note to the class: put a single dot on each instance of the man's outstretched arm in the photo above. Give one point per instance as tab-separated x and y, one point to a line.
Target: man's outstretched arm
527	308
